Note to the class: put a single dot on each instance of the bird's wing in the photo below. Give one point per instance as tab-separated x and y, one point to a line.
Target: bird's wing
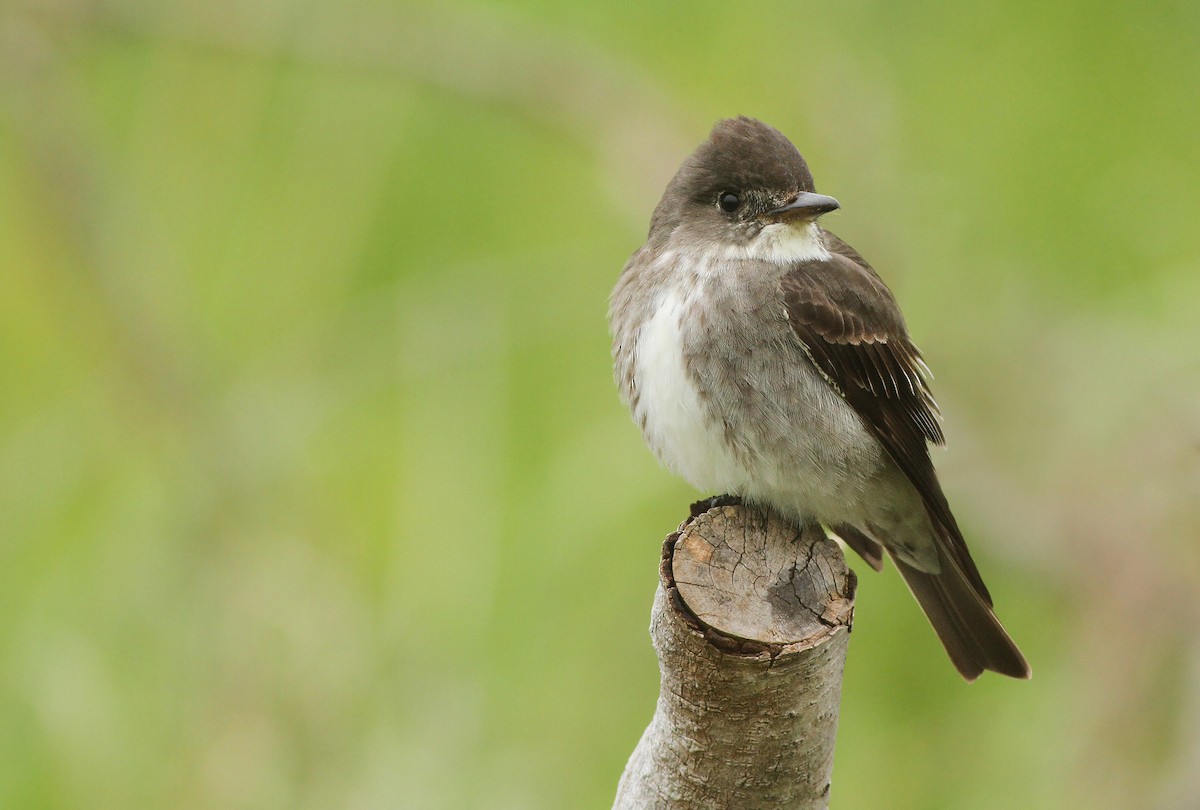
851	328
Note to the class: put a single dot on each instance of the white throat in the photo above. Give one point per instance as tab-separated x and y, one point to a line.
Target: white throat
785	243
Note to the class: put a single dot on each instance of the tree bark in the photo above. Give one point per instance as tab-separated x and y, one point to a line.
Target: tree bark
750	622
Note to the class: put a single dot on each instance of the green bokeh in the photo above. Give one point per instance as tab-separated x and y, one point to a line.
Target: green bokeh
314	487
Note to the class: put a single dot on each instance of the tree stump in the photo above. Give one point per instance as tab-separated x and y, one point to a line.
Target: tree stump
750	622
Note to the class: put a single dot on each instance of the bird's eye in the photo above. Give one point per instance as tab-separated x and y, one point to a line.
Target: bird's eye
728	201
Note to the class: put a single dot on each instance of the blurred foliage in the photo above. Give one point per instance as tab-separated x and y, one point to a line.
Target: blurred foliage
315	490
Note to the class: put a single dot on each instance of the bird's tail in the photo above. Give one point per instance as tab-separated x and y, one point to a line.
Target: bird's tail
964	621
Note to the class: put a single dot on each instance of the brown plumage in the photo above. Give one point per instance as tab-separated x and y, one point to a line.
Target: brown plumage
854	333
762	356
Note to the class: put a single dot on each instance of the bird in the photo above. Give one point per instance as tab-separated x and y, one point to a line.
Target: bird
764	358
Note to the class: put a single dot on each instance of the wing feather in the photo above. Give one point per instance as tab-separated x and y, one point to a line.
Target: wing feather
851	328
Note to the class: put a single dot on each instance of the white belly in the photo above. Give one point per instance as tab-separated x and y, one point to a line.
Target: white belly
669	407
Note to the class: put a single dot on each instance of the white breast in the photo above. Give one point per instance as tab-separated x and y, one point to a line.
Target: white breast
669	407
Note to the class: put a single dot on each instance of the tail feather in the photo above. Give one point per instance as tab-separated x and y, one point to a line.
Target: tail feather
964	621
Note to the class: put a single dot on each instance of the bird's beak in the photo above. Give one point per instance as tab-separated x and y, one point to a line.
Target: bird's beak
807	205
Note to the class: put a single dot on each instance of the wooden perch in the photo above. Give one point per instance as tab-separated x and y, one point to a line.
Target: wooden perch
750	622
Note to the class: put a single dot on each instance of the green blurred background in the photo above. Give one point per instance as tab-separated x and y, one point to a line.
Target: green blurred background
315	490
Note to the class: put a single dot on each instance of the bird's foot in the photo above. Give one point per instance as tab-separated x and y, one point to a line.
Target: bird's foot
700	507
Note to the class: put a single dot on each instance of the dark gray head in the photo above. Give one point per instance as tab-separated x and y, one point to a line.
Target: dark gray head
746	176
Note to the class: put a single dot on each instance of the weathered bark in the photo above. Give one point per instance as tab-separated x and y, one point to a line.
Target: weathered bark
750	622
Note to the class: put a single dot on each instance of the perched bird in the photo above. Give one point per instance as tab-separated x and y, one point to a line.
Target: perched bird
762	357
